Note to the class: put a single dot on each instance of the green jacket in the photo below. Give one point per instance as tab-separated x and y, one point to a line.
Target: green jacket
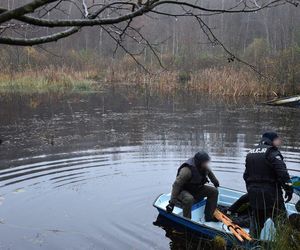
183	177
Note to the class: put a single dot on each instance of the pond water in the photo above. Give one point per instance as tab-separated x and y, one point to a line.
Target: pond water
81	171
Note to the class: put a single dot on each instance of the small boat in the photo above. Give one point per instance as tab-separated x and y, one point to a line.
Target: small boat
198	224
293	101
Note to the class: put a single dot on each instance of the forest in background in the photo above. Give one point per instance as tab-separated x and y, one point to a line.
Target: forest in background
269	40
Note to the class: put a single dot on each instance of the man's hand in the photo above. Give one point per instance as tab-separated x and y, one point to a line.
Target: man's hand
288	192
170	207
216	184
213	179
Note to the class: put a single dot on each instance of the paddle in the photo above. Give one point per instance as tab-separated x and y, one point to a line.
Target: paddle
236	230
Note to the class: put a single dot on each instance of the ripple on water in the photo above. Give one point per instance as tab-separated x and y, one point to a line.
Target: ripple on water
100	197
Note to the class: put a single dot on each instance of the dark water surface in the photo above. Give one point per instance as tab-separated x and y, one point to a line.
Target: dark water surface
82	171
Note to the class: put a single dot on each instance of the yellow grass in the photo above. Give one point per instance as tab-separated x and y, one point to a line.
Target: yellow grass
224	81
48	79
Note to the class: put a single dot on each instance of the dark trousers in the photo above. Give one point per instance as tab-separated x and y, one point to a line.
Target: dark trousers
242	201
260	216
266	201
187	200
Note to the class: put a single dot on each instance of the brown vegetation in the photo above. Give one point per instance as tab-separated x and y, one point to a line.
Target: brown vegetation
84	71
225	81
45	80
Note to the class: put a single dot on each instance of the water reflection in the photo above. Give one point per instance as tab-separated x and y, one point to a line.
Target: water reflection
180	238
81	171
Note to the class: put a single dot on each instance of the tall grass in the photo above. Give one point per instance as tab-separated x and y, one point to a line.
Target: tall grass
287	237
48	79
231	82
224	81
84	71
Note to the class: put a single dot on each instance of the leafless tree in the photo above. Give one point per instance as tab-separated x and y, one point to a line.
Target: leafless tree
115	17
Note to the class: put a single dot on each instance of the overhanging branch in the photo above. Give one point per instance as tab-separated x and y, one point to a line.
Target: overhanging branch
25	9
39	40
93	19
119	12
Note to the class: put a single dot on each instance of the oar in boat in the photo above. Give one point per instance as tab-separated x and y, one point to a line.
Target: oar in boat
240	230
229	225
237	231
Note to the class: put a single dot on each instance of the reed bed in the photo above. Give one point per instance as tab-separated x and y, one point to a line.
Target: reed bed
230	82
48	79
224	81
214	81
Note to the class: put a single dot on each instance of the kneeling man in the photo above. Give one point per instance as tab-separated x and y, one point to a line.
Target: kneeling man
189	186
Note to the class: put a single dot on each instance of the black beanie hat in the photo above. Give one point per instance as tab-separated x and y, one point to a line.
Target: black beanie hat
270	135
201	157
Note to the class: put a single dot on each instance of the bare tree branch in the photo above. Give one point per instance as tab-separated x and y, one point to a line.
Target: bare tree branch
127	51
90	21
142	10
25	9
39	40
215	41
116	18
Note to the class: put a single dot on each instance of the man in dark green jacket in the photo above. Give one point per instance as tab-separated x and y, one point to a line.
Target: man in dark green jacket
189	186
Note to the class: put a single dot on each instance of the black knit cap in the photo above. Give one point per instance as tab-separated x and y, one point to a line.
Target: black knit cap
201	157
270	135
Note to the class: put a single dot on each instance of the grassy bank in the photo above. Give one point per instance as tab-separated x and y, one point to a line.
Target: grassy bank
47	80
33	70
225	81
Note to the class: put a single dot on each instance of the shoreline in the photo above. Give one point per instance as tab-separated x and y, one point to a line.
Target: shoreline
224	81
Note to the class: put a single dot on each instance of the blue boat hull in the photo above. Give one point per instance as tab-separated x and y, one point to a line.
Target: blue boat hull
189	224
